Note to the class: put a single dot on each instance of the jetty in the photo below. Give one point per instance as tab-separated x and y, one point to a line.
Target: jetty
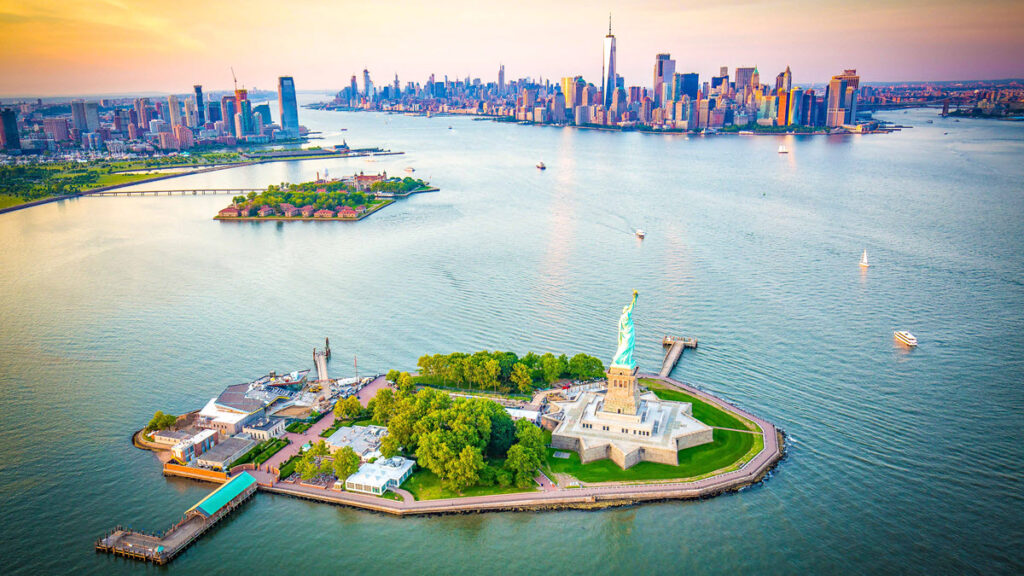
675	347
162	548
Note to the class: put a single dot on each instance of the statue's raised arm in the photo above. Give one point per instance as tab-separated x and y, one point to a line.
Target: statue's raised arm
627	337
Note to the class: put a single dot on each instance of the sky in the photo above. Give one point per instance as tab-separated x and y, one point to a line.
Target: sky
70	47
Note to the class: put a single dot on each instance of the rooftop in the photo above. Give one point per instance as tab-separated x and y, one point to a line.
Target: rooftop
227	492
226	449
380	472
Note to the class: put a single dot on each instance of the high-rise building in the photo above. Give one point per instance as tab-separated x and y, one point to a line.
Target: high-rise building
56	128
835	96
200	106
78	116
664	73
92	116
691	85
173	110
501	79
142	112
367	85
744	79
191	113
782	101
213	112
608	75
289	108
796	106
9	132
227	111
784	81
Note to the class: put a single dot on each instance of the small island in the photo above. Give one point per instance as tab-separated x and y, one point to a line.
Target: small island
486	431
323	199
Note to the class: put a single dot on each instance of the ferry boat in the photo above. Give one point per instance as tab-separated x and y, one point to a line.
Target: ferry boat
410	169
905	338
640	233
864	260
541	166
783	150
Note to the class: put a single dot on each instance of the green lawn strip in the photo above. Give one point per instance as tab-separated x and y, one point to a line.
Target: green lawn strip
425	485
728	448
298	427
288	467
8	200
392	496
434	382
706	413
261	452
105	179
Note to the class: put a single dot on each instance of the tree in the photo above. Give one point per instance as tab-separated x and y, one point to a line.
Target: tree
503	433
406	386
523	464
161	421
393	375
552	368
346	462
464	471
348	409
521	378
384	406
319	449
306	467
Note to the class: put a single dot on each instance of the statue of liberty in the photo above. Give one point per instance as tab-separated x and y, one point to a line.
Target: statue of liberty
627	337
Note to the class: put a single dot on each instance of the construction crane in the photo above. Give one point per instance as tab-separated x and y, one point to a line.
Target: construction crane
235	78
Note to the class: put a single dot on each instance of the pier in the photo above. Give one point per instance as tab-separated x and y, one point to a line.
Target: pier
675	352
162	548
179	192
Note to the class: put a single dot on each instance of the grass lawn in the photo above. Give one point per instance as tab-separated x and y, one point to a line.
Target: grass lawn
392	496
298	427
344	424
729	448
105	179
706	413
7	200
425	485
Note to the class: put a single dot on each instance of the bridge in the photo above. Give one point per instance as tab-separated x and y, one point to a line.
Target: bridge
177	192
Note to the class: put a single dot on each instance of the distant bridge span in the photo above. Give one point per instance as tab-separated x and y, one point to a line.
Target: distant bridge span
177	192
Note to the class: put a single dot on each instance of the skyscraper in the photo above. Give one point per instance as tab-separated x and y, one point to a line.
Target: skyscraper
367	85
744	79
782	118
174	110
784	81
664	73
501	79
92	116
608	75
227	112
835	95
199	104
691	84
9	131
289	107
796	106
78	116
142	113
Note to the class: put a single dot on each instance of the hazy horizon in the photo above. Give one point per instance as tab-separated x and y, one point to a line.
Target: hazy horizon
129	47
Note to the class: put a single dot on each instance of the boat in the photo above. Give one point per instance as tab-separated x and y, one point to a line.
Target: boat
783	150
541	166
904	337
930	122
449	127
864	260
410	169
640	233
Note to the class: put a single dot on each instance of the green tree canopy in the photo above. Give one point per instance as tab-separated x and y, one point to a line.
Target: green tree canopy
346	462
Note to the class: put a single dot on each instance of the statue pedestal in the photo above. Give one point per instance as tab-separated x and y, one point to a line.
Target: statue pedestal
623	395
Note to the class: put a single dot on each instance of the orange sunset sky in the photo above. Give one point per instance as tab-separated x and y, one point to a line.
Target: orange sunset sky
118	46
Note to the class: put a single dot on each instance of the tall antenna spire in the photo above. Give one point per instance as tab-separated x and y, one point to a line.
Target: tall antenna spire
609	23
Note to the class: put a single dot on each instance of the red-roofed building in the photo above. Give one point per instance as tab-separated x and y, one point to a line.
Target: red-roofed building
288	210
307	211
265	211
324	213
364	181
360	209
321	190
346	212
229	212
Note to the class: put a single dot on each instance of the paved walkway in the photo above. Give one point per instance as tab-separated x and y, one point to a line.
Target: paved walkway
370	390
297	441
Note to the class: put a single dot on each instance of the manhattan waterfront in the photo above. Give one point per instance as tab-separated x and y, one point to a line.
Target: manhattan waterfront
116	306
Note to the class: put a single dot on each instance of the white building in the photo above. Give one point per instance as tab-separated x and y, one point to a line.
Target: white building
520	414
380	476
265	429
364	440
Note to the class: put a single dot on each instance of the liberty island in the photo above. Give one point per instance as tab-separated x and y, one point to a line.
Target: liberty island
364	464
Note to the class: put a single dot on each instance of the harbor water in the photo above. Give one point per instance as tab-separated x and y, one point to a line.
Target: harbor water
898	460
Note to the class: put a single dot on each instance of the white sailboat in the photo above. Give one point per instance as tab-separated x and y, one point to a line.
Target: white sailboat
864	260
782	149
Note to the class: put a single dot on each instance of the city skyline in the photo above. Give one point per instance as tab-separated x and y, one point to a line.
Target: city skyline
133	47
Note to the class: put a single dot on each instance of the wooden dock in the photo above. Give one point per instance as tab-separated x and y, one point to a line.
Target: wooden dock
163	547
675	352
